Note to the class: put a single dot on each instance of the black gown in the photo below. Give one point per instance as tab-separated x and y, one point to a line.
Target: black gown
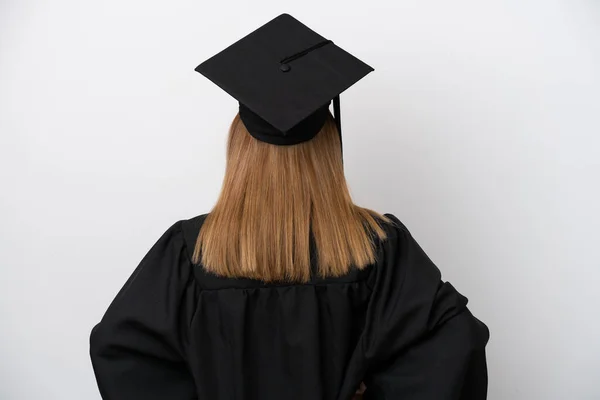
176	332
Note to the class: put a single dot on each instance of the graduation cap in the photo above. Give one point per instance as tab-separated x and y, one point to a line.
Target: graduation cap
284	76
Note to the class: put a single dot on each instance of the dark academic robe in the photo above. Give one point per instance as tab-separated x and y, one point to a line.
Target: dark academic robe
176	332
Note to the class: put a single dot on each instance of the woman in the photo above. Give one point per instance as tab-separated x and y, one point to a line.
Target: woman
287	289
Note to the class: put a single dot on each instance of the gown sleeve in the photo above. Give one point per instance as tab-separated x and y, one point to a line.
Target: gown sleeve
423	343
138	348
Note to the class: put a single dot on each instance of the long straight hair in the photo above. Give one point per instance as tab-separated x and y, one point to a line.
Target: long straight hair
273	198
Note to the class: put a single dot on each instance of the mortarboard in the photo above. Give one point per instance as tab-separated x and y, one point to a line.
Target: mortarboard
284	76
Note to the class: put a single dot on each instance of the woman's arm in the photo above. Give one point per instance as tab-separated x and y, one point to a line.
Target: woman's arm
423	343
137	349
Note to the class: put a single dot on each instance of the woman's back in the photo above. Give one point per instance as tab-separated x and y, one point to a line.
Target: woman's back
177	331
276	341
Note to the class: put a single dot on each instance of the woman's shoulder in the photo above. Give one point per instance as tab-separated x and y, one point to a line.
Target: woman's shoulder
191	228
393	226
394	221
399	243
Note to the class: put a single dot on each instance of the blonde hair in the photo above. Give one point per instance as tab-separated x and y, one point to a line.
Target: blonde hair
272	199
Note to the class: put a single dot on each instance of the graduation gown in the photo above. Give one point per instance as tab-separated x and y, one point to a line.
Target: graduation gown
176	332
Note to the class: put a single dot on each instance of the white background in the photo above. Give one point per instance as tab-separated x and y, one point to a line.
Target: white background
480	129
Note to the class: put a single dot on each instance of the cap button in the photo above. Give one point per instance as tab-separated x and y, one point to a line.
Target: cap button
285	67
